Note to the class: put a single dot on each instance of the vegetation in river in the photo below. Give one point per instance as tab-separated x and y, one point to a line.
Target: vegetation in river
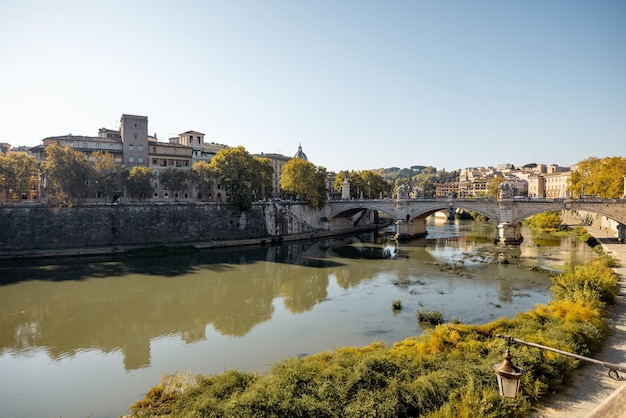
429	317
396	305
444	372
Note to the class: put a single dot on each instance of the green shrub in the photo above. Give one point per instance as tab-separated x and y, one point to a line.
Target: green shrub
545	221
429	317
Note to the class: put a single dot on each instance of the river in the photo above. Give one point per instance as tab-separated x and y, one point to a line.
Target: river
88	337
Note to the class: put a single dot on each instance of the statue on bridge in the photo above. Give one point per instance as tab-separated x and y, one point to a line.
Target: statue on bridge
506	190
402	191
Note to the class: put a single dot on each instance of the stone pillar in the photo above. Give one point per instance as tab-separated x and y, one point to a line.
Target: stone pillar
451	213
507	231
407	230
345	188
509	234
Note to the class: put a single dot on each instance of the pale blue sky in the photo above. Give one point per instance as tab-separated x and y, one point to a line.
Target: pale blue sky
360	84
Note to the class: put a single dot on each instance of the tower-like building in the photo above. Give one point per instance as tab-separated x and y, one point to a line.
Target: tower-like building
134	133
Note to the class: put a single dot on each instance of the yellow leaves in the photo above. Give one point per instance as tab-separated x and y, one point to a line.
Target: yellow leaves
568	310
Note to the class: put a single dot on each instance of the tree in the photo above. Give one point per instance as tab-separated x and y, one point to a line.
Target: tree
18	174
202	176
369	183
493	187
263	181
354	180
545	221
374	185
175	180
601	177
301	179
139	182
237	170
67	174
106	173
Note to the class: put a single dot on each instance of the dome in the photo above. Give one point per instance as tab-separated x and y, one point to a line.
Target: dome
300	154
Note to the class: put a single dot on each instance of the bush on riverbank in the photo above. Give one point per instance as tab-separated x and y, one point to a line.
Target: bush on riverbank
444	372
545	221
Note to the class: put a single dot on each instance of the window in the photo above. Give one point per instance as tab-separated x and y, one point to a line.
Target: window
154	161
131	160
174	150
135	127
140	147
164	150
135	136
140	160
154	149
131	147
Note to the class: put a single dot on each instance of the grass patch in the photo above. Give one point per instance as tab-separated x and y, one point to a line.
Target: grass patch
442	373
429	317
396	305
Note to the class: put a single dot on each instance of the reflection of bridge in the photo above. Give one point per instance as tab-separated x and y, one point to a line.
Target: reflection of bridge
411	214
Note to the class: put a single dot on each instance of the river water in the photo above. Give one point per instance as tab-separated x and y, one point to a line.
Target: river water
89	337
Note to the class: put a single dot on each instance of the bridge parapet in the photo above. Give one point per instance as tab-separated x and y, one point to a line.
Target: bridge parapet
506	213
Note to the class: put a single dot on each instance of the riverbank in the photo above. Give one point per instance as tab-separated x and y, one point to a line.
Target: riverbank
590	387
108	250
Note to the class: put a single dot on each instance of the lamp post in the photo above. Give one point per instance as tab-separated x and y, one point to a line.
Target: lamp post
508	374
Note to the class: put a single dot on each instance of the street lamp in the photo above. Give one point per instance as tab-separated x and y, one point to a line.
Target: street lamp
508	374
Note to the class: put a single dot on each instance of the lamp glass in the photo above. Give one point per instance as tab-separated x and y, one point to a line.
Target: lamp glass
508	387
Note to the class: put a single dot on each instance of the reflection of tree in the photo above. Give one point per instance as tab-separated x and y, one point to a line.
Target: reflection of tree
122	305
304	291
351	277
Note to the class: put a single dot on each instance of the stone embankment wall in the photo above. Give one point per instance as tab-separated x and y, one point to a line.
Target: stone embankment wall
40	227
589	218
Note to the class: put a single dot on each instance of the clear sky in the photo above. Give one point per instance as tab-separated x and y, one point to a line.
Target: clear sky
360	84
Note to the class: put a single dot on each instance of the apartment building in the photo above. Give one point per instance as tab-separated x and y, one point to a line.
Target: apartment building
556	185
277	161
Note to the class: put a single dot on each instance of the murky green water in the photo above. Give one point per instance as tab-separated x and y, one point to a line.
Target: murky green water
90	337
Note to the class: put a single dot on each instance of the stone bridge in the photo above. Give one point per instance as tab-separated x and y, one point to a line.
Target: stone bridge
411	214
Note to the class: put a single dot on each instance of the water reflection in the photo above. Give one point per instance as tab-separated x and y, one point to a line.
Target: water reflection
126	303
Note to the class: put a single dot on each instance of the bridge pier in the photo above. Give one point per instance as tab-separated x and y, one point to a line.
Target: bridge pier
621	231
406	230
509	234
